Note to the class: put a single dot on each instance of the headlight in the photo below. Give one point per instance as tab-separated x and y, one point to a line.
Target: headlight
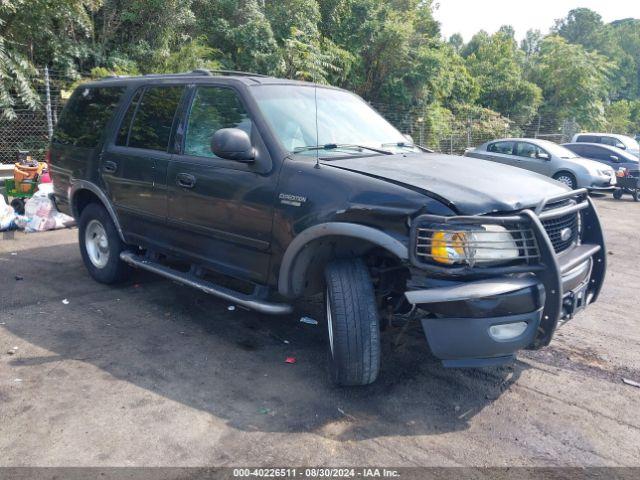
482	244
605	173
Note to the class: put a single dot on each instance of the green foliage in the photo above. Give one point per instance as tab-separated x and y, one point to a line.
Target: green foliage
573	81
497	64
389	51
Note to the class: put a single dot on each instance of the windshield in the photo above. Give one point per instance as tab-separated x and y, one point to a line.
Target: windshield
558	150
345	125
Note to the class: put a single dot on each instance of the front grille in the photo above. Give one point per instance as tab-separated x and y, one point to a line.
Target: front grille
556	226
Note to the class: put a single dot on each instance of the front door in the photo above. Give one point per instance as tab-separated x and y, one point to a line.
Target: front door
528	157
134	164
221	210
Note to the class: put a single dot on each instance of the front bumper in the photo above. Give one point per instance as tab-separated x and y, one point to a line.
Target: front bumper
459	314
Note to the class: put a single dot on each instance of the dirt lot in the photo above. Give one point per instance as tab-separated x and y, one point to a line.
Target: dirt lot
152	373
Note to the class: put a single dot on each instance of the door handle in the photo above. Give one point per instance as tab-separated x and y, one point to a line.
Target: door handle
185	180
109	167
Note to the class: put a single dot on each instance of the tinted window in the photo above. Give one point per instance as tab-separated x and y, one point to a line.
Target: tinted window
598	153
614	142
123	132
501	147
577	149
213	108
588	139
528	150
86	115
152	123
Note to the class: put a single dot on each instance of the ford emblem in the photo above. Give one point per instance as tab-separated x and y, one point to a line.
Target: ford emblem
565	234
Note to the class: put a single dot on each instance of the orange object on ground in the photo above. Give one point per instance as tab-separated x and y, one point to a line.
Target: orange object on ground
25	176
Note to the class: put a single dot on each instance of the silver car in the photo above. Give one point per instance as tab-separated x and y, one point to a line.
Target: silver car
549	159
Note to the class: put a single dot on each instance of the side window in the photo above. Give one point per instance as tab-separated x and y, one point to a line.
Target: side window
501	147
588	139
213	108
123	132
614	142
151	126
578	149
528	150
86	116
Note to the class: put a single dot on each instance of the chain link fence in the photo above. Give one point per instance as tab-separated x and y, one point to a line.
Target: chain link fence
453	133
31	129
440	130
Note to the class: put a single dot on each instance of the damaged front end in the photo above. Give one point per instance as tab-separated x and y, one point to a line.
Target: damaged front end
487	286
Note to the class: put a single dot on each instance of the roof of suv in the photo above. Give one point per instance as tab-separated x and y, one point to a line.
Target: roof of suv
247	78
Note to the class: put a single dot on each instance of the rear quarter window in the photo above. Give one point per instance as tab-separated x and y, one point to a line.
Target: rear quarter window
85	117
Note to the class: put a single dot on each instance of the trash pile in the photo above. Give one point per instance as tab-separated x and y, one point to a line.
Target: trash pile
32	208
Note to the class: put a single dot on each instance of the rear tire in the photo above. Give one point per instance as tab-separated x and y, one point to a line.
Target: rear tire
636	196
352	323
101	245
567	178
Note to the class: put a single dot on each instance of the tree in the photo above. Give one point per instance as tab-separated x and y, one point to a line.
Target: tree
497	64
456	41
573	81
618	117
581	26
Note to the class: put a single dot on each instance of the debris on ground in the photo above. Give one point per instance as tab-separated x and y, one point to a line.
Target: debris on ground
346	414
11	352
7	215
41	214
18	278
17	380
290	360
309	321
631	382
65	301
264	411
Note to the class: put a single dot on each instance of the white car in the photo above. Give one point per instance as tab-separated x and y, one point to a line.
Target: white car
622	142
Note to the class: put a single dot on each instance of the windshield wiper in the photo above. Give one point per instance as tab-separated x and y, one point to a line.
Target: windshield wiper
407	145
336	146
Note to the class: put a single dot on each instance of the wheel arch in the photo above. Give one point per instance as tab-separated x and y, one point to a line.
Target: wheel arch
306	256
83	193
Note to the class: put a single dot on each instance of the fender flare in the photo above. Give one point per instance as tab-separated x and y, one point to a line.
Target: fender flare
79	185
353	230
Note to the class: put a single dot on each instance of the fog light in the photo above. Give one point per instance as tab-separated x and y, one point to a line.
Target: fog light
507	331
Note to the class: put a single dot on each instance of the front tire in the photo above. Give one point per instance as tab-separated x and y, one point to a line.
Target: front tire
352	323
101	245
617	193
567	178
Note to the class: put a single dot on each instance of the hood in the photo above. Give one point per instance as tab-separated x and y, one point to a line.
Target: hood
592	166
471	186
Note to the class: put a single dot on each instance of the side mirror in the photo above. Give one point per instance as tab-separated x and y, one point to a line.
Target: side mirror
233	144
614	158
409	138
543	156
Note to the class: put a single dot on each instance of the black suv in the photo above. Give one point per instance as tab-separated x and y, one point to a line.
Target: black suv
265	191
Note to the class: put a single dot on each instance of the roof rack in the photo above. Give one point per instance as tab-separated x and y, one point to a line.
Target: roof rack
199	71
240	73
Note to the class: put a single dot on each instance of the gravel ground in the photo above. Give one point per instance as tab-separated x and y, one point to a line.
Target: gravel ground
152	373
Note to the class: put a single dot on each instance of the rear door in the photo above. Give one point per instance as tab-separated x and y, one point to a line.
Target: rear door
78	137
134	164
220	210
